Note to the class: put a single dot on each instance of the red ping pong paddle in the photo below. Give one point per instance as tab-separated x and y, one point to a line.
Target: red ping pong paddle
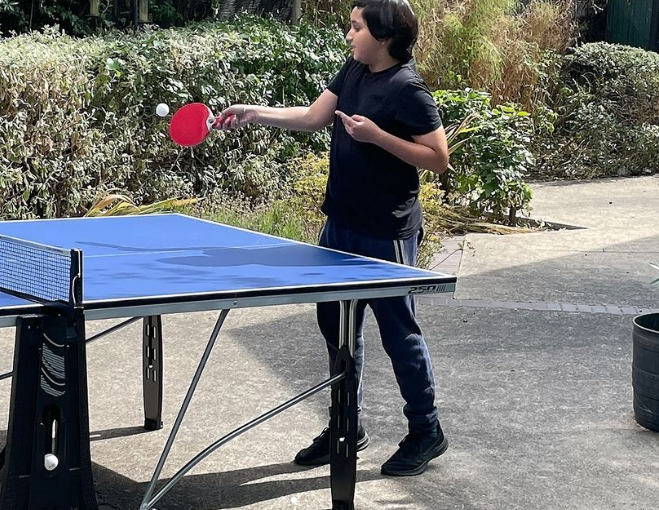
192	123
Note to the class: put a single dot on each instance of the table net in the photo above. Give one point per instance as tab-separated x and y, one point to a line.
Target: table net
39	272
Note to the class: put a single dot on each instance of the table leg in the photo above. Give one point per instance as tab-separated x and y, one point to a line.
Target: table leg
343	425
47	457
149	498
152	371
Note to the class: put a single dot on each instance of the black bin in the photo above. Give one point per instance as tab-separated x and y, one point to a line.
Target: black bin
645	370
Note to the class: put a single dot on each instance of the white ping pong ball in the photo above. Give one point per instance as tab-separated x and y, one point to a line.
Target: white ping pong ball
162	109
50	461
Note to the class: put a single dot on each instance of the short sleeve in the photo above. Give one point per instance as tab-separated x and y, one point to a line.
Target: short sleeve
336	84
416	109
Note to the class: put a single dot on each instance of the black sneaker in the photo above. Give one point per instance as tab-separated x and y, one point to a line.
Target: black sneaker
317	454
414	453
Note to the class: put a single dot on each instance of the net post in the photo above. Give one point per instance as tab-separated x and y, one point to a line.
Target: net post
75	298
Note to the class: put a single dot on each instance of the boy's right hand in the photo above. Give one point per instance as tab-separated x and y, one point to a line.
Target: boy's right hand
237	116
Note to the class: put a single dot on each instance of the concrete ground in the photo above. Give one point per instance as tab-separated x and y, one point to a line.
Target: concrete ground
535	395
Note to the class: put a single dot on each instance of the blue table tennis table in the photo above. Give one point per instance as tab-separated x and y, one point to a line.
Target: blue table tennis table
57	274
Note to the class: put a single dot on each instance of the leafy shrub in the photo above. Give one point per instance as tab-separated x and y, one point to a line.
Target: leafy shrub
78	114
431	196
608	114
308	192
490	168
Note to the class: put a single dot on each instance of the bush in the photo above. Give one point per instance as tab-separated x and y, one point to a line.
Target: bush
491	167
78	114
608	115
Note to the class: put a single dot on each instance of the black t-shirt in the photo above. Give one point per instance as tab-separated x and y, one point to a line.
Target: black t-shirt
369	188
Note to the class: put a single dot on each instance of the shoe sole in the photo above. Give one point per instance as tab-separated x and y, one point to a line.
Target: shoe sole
436	452
321	461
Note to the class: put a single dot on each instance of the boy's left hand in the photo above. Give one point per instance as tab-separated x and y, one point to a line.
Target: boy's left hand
360	128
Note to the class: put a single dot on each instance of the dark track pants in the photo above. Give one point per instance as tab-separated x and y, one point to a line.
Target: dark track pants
400	333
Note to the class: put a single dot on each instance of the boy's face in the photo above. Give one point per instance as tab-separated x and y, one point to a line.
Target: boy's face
365	48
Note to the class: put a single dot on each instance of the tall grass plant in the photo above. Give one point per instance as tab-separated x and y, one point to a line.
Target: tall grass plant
496	45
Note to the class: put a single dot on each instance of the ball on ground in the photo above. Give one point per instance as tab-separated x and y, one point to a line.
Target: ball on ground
162	109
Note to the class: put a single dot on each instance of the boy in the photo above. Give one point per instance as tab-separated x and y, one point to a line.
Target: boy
386	125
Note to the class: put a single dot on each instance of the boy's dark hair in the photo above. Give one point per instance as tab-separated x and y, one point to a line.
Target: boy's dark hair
391	19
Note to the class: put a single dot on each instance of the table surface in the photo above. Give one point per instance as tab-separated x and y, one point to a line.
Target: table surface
173	260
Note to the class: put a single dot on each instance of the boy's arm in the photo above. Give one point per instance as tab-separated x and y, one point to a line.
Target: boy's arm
298	118
428	151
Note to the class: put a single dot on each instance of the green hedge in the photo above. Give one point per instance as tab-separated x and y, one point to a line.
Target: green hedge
78	118
78	115
608	114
